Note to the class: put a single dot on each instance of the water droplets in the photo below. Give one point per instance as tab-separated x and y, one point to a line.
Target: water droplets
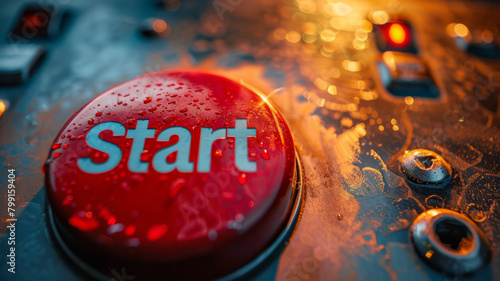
218	153
145	156
212	235
133	242
265	155
125	185
171	158
118	227
147	100
111	220
130	230
137	178
169	119
83	223
176	187
237	223
56	146
156	232
242	179
67	200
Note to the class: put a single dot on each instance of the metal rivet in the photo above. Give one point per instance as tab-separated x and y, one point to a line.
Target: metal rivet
425	168
449	242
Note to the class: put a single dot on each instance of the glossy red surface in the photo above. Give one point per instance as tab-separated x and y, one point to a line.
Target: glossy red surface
174	217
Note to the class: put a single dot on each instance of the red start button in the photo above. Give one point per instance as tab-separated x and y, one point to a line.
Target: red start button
175	175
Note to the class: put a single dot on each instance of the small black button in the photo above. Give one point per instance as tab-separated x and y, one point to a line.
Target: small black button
479	42
484	50
37	23
405	75
18	62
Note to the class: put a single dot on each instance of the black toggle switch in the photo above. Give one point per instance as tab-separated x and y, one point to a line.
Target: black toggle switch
406	74
18	62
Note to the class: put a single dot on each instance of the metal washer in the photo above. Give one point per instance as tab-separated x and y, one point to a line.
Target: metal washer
443	258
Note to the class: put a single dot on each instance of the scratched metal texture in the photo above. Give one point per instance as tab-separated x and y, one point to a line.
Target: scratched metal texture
358	207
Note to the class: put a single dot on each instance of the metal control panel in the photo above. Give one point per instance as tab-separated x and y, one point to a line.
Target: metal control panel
393	107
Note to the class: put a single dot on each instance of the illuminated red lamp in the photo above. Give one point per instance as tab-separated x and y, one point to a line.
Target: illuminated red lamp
37	23
33	20
398	35
395	36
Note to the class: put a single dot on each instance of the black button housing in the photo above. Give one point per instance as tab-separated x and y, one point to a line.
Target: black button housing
18	62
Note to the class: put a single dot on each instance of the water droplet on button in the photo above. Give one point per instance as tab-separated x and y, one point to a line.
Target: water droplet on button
156	232
242	179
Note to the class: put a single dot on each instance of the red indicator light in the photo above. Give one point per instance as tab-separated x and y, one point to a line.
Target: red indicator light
398	35
33	21
36	23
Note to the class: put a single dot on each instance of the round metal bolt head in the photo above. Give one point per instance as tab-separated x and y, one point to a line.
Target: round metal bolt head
425	168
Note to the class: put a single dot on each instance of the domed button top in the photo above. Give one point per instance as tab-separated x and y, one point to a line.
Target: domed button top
169	172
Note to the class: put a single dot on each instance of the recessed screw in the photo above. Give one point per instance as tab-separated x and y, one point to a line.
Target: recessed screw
425	168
